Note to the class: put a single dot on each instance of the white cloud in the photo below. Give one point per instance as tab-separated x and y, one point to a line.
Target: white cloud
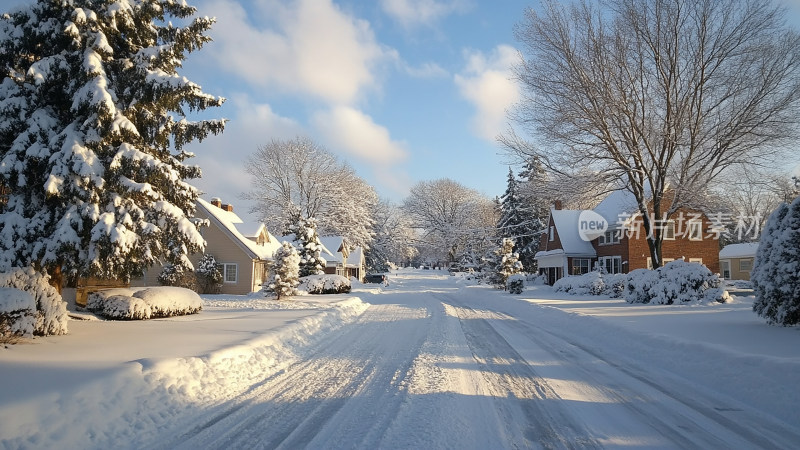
411	13
354	133
486	83
306	46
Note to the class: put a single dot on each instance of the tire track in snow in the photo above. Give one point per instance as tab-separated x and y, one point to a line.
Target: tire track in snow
522	396
687	422
321	399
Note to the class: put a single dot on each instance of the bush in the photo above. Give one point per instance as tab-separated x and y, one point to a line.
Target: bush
178	275
208	275
144	303
676	282
325	284
516	283
587	284
50	309
17	313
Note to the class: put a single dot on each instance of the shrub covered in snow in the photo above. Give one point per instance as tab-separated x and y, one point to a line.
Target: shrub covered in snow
325	284
591	283
180	275
502	263
515	283
209	277
17	313
776	269
50	310
676	282
144	303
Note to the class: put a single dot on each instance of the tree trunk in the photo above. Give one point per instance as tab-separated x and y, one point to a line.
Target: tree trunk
56	278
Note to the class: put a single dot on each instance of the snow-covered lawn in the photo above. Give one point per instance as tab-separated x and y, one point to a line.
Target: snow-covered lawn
429	361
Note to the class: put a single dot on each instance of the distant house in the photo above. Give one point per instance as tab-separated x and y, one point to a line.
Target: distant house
623	247
242	250
736	260
348	262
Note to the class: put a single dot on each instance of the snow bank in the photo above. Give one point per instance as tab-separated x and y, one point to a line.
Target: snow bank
50	309
325	284
133	404
144	303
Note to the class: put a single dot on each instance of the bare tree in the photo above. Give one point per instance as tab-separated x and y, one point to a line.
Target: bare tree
394	241
450	215
657	96
299	175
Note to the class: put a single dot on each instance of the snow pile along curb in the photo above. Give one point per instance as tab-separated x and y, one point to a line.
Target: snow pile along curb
133	404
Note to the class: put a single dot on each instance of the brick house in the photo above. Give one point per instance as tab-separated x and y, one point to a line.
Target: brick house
623	247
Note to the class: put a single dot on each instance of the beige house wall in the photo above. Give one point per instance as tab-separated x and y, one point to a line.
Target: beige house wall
735	267
225	250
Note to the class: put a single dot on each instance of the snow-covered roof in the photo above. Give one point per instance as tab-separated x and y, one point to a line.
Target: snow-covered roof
230	223
333	243
746	250
616	204
566	221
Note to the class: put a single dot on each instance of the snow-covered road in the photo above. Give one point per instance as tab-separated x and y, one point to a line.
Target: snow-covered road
431	364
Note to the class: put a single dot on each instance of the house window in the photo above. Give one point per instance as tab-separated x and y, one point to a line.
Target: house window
695	230
697	260
609	238
664	262
552	234
725	266
230	272
611	264
669	231
745	265
581	266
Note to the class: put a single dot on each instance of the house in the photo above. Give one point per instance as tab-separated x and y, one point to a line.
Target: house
736	260
348	262
623	246
243	251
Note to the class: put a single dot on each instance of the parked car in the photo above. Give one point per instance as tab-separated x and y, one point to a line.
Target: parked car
374	278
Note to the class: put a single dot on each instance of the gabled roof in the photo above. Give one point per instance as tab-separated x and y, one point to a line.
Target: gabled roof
334	243
621	203
746	250
229	223
566	223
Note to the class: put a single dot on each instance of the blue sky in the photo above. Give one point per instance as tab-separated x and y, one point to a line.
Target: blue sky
403	90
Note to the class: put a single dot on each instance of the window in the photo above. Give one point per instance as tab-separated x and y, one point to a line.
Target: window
664	261
725	266
611	264
230	272
745	265
695	230
697	260
581	266
669	231
609	238
552	233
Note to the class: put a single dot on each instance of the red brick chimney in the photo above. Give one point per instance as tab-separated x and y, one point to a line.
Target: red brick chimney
557	205
227	207
216	202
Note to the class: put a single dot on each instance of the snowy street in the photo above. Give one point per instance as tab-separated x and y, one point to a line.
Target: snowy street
434	365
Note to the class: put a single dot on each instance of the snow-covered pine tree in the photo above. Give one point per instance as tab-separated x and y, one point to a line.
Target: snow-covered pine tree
308	246
534	211
209	277
92	133
178	274
285	272
504	263
776	271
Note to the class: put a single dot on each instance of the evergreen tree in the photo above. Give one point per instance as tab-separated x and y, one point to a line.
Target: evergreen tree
285	272
534	210
308	245
178	274
503	263
92	135
776	272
